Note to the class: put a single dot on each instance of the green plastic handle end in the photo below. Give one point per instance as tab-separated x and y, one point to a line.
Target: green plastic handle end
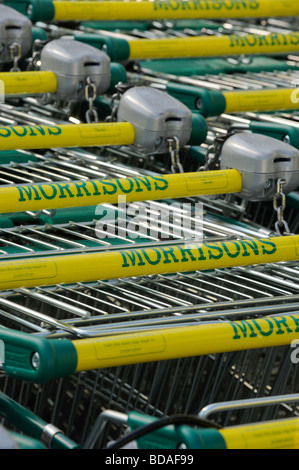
118	74
199	130
117	49
172	437
35	10
35	358
205	102
281	132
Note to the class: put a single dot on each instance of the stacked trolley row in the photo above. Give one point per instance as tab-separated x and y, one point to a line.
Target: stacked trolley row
169	338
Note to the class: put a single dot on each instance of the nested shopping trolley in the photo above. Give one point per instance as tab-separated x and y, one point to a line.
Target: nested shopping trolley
166	341
141	308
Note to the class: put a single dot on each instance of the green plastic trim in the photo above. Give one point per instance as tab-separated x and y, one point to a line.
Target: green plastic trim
277	131
199	130
164	438
75	214
117	49
16	156
209	438
114	25
170	437
30	424
103	105
205	102
118	74
198	154
57	357
292	200
38	33
201	66
35	10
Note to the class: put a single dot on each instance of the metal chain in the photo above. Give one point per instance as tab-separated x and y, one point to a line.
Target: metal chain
214	151
15	54
36	54
279	204
174	150
90	95
121	88
114	107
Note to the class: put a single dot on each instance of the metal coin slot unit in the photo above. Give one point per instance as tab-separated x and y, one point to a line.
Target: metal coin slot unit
15	36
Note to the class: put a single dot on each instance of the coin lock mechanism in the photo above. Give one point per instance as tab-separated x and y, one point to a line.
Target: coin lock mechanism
76	65
262	161
157	118
15	35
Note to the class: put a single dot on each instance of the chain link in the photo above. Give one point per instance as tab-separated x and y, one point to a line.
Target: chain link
174	150
213	153
15	54
121	88
36	54
90	95
114	107
279	204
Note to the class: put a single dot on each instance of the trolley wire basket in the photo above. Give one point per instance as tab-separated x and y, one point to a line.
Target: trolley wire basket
159	388
138	305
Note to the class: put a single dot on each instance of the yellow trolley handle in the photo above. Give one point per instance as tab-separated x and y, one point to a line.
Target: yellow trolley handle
135	262
66	135
30	83
274	43
278	434
61	357
177	9
33	197
188	341
261	100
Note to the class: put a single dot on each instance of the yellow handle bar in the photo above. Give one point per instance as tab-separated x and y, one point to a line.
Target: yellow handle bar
88	193
185	341
274	43
261	100
173	9
278	434
142	262
66	135
16	83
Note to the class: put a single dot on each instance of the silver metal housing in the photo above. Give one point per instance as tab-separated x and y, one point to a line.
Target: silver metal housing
14	28
73	62
156	117
261	160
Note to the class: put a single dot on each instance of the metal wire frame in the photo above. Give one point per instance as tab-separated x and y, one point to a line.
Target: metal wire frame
158	388
166	387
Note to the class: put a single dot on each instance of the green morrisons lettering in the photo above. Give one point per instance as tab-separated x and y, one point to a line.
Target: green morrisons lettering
279	325
200	252
79	189
258	40
223	5
23	131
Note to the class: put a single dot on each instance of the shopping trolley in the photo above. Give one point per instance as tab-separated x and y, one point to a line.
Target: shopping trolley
138	306
196	432
161	387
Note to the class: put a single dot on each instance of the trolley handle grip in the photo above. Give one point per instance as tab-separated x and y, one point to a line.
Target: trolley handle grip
36	359
208	103
281	132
